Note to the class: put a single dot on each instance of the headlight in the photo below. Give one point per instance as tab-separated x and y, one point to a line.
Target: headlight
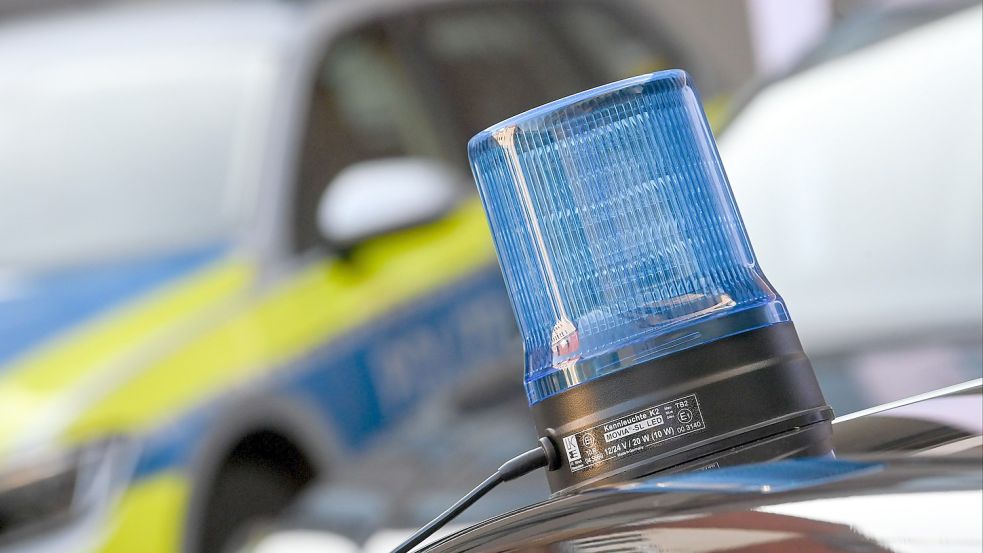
47	489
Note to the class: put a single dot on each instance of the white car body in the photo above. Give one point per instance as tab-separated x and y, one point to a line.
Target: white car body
861	186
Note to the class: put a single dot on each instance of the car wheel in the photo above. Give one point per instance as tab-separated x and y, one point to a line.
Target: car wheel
246	494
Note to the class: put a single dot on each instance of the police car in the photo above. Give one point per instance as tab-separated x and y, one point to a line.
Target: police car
238	245
928	445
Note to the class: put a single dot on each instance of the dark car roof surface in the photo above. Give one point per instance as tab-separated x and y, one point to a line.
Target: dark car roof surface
915	486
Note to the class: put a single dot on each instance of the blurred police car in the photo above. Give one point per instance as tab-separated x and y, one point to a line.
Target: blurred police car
858	178
237	245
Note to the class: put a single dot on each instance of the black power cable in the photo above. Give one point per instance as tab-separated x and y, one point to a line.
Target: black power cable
543	456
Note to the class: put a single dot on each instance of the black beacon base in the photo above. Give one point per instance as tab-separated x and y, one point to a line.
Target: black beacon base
746	398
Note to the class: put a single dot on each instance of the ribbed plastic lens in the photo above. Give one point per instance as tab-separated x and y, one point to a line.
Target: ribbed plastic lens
617	231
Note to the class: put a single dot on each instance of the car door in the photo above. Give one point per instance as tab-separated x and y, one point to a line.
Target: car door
400	312
403	312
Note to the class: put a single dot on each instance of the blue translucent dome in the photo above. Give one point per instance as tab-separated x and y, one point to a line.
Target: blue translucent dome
617	231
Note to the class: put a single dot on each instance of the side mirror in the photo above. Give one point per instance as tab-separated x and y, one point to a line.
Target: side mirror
375	197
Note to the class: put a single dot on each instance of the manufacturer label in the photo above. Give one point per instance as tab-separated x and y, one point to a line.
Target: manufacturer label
630	434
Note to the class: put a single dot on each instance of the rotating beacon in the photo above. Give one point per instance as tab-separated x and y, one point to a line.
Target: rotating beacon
653	341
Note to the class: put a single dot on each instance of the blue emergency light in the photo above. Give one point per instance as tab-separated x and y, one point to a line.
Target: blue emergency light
651	335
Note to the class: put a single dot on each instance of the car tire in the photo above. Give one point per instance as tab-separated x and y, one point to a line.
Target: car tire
246	494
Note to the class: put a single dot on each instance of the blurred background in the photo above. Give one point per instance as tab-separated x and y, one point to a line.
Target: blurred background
248	298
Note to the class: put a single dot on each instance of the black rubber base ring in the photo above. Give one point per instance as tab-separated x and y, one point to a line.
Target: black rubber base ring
700	403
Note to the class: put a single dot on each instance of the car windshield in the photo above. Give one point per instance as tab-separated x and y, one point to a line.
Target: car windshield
115	152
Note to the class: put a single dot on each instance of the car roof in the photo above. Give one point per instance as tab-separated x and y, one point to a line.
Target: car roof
271	22
143	26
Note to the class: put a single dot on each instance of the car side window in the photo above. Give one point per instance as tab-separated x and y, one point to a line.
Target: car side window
606	39
364	105
617	45
494	61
